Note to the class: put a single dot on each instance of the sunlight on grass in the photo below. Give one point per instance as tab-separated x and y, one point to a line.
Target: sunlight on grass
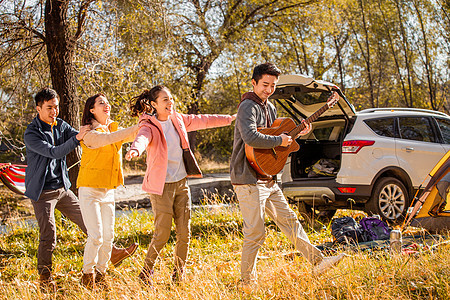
213	267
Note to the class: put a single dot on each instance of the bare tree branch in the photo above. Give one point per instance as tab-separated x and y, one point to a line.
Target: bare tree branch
22	50
33	30
251	18
81	17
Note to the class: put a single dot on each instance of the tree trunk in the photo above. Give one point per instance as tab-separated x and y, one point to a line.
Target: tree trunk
60	52
394	55
367	57
428	64
406	51
340	65
201	70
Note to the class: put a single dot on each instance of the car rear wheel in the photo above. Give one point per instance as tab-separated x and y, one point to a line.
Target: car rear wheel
389	200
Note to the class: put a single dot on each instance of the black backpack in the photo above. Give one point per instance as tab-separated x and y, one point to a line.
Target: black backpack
345	230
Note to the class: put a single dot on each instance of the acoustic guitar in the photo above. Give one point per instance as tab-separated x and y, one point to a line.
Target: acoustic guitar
271	161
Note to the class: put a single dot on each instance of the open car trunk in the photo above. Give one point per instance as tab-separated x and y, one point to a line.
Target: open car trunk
316	159
320	151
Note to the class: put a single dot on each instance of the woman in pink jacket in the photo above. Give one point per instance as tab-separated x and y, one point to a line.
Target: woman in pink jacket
163	134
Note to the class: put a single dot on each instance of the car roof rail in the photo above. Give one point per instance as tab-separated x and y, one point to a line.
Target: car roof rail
406	109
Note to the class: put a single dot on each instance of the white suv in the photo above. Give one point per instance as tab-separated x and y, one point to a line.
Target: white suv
374	160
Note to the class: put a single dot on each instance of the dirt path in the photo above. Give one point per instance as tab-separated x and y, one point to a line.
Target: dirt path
131	194
128	195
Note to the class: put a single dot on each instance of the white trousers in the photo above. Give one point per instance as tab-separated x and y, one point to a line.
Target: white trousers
98	211
257	200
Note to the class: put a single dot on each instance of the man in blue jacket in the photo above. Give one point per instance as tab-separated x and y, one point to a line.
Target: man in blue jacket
48	140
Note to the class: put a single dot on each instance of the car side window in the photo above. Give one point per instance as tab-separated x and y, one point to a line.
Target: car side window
384	127
444	126
322	134
416	128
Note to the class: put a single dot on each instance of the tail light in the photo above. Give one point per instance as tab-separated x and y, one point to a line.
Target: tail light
355	146
347	190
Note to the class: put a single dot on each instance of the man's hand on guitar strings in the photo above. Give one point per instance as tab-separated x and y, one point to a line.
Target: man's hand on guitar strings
286	140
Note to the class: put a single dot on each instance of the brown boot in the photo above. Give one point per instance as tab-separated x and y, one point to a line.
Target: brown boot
177	276
46	283
119	254
87	280
146	276
100	280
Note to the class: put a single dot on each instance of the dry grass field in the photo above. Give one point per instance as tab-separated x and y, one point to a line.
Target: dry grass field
213	266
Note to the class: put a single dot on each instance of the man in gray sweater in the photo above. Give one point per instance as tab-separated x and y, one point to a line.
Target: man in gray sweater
259	194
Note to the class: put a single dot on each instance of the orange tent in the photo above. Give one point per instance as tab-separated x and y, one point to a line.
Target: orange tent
432	205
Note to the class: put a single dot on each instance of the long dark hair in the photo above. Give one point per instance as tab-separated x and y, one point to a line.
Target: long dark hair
142	103
87	115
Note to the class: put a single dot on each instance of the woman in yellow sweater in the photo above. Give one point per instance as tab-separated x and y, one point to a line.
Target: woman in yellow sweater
100	173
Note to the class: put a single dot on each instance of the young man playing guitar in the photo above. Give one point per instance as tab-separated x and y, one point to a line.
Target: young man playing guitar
260	194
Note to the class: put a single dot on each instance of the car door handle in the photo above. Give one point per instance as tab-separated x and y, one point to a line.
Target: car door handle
408	149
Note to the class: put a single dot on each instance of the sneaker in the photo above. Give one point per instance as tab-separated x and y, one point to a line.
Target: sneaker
327	263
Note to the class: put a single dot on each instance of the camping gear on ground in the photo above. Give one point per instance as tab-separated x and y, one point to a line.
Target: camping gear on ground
13	177
395	241
432	210
346	230
411	245
375	228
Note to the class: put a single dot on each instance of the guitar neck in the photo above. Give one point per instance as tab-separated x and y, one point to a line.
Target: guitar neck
308	120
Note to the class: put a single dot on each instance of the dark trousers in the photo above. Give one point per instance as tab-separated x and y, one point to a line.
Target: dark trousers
44	210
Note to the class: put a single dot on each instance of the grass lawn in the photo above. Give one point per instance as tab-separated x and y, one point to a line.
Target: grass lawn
213	268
